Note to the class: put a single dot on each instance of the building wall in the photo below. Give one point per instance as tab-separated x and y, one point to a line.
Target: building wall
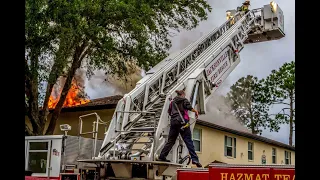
212	148
72	118
212	141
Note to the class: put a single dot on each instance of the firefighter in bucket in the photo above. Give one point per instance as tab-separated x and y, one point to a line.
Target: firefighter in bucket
229	16
245	7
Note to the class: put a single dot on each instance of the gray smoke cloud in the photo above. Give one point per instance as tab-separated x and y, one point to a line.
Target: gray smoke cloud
101	85
219	112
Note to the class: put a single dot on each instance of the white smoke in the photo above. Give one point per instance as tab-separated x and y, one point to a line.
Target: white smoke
101	85
219	113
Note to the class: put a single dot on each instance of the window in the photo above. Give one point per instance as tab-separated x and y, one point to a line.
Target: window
230	145
287	157
197	139
250	151
274	156
37	157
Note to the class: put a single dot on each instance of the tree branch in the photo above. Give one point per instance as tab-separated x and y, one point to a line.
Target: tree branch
75	65
282	110
281	103
32	109
28	131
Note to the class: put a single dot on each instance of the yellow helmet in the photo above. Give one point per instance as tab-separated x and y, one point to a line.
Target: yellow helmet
247	2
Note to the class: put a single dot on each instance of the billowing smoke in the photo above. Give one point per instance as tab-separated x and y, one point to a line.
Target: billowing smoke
219	112
102	85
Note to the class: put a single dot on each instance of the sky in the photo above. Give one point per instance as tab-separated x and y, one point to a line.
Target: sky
257	59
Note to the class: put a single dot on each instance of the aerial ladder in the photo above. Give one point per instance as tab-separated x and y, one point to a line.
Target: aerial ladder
140	124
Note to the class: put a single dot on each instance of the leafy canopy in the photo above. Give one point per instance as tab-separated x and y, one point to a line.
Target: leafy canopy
279	90
249	105
62	36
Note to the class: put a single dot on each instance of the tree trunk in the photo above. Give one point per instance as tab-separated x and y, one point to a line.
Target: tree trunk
31	87
252	125
27	131
78	56
45	109
56	71
291	119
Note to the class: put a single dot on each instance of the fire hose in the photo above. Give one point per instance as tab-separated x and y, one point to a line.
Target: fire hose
184	159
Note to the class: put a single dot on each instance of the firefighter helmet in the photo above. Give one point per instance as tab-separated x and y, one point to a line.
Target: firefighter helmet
247	2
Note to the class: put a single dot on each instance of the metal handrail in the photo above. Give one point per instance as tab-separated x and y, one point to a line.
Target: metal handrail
115	129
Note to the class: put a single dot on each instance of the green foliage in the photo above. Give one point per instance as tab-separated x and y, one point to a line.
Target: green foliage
251	100
122	30
249	105
279	89
62	36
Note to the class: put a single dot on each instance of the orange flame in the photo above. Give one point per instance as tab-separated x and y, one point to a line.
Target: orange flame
72	98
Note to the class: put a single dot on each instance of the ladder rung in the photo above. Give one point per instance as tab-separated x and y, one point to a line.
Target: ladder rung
138	150
130	137
142	126
146	122
143	129
135	142
137	131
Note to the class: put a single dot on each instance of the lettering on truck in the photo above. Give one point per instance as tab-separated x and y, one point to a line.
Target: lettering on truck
246	176
218	67
221	70
217	63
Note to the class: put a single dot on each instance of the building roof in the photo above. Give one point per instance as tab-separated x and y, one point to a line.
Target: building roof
245	134
109	102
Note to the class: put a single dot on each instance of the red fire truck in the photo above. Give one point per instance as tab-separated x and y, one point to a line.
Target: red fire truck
238	172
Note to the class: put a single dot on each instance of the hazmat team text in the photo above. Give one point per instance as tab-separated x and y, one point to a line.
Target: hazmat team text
246	176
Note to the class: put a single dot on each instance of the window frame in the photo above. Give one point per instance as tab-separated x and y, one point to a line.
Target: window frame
233	146
285	157
28	152
274	155
252	151
200	140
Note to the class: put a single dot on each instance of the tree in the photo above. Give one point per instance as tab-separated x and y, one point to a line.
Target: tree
61	36
249	105
280	90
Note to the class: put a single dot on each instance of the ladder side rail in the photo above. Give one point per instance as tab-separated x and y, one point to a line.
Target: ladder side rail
177	69
110	134
219	45
240	38
191	52
185	63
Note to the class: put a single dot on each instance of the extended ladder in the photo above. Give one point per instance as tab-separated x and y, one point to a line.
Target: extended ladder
138	114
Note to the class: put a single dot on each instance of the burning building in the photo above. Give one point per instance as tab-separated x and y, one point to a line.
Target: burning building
74	97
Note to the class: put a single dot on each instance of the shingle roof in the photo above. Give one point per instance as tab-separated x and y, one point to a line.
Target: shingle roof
245	134
109	102
101	101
